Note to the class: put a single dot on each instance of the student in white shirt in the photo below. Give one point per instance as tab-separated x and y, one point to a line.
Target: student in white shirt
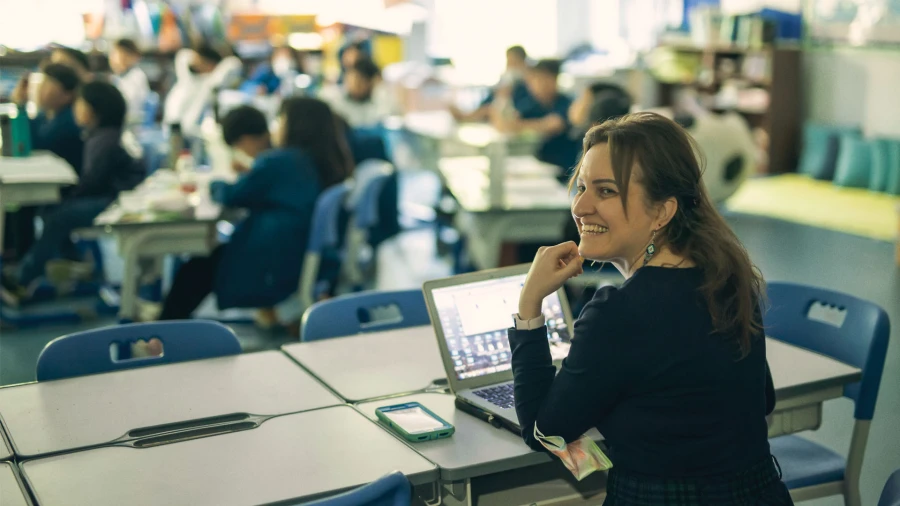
130	79
198	73
363	100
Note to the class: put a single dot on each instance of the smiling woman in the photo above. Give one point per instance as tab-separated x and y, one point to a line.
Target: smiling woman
671	366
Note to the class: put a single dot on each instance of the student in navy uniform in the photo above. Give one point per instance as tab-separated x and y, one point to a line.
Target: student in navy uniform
260	266
546	113
670	366
74	59
53	129
246	131
107	170
510	88
266	77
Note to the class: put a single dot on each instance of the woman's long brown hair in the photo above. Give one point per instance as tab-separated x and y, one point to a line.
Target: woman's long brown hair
669	165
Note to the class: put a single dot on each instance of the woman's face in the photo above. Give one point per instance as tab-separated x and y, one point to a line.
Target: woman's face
607	233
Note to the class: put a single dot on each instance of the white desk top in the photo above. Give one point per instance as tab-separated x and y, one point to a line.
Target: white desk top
373	365
476	448
11	492
74	413
529	184
796	371
42	167
289	457
159	199
441	126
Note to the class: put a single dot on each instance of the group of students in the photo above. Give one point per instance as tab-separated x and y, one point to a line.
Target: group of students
281	177
528	98
81	119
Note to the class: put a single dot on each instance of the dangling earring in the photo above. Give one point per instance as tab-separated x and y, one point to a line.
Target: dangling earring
651	248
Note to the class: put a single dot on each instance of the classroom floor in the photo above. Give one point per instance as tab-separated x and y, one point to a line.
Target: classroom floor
783	251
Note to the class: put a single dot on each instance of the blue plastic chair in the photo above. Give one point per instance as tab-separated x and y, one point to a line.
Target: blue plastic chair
324	239
890	496
390	490
848	329
364	312
364	202
88	352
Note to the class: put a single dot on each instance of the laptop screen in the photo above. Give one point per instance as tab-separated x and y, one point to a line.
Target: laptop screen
474	318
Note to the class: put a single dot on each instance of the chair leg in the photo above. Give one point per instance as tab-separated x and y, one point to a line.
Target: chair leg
851	494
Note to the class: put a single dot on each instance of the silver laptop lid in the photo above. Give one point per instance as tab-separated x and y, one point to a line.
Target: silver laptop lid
471	313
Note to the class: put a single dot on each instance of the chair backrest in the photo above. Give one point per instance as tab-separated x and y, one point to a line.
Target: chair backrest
846	328
324	236
370	177
325	231
88	352
390	490
890	496
363	312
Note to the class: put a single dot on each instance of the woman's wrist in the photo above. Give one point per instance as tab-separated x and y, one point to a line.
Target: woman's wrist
529	309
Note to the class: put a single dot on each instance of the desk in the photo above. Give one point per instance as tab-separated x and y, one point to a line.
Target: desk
145	232
536	206
298	456
32	180
803	380
376	365
12	493
73	413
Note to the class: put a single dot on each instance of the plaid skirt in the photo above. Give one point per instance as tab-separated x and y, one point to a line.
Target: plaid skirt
760	485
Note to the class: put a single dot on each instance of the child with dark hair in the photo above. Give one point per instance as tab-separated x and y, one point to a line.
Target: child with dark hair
246	131
546	113
260	266
124	58
363	100
54	127
74	59
54	130
199	72
267	77
107	170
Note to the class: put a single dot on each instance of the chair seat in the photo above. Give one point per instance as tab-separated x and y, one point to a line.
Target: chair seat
804	463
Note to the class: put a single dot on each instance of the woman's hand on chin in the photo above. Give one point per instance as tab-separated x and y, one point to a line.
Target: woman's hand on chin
552	266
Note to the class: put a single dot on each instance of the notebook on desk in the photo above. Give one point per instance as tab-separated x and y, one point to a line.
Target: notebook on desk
470	314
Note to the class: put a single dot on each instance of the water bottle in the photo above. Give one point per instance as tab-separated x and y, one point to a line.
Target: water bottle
186	169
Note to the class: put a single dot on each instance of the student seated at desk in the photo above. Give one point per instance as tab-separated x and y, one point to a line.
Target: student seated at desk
284	62
246	131
198	73
124	58
545	113
54	127
108	169
363	100
671	366
74	59
260	266
511	88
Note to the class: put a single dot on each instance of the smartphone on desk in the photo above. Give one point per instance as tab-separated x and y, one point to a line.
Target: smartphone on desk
414	422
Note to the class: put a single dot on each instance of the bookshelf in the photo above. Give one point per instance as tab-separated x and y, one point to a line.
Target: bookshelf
762	84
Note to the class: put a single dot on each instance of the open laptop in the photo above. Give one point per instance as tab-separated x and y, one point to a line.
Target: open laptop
470	314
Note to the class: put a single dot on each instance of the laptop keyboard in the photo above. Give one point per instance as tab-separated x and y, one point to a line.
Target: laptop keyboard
500	395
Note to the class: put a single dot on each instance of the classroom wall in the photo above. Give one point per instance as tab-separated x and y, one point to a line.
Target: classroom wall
853	86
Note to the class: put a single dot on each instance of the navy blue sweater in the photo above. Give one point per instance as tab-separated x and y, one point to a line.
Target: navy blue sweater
107	167
59	135
670	399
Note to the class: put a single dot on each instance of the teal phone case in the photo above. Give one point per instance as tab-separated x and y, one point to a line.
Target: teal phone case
443	432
